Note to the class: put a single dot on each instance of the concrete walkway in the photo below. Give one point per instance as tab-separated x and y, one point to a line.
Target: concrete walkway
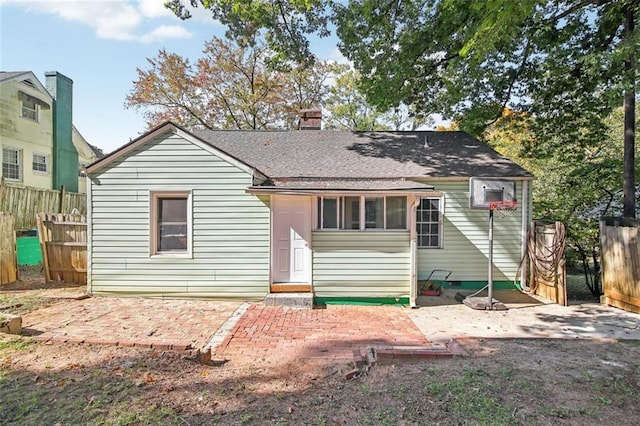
443	318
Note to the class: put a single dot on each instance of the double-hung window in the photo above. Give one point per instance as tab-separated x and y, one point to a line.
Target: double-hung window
29	109
362	213
171	223
40	163
429	222
12	163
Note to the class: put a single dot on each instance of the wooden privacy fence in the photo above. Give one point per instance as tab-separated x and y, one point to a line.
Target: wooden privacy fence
620	263
63	241
8	260
548	274
25	203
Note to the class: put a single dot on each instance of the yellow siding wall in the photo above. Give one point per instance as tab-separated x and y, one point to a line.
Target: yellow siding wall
22	133
230	227
361	264
466	239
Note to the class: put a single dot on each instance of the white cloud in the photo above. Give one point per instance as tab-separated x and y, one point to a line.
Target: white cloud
111	19
336	55
164	32
153	8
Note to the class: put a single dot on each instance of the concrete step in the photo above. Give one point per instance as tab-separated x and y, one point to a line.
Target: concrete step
290	300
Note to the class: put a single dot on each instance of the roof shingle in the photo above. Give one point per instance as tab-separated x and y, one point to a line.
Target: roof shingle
363	155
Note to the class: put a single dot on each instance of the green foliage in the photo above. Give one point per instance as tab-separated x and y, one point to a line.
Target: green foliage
287	22
577	192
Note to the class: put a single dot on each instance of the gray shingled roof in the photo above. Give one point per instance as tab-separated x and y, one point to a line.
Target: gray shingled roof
362	155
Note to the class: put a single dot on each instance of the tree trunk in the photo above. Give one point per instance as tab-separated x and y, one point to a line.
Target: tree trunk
629	186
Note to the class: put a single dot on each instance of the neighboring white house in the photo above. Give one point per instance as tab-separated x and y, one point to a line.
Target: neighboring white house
40	146
345	215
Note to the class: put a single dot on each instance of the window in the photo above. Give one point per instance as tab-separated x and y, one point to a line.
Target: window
361	212
12	163
82	170
429	222
29	109
171	223
40	163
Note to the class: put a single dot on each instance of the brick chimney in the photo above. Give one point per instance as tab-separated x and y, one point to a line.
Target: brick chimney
310	119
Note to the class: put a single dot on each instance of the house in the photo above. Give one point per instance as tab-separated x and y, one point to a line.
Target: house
37	135
345	215
87	154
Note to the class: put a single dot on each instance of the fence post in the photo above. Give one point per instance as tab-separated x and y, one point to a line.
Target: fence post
40	218
1	191
61	200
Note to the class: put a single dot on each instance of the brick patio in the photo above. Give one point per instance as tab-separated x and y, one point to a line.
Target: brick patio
150	323
335	332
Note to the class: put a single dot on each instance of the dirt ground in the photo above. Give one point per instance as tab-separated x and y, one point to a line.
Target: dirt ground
502	382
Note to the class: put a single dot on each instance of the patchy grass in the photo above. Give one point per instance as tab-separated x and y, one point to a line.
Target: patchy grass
504	382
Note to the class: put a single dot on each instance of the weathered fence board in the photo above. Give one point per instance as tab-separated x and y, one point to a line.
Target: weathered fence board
63	241
26	202
8	259
548	274
620	263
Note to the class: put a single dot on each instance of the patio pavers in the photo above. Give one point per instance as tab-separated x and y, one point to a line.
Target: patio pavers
332	332
151	323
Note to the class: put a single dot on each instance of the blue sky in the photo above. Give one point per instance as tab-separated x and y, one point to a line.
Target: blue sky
99	44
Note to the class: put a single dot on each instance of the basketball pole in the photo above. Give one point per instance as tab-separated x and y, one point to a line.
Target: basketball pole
490	274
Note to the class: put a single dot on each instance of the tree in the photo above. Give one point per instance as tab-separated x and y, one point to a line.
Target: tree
230	87
568	63
347	107
287	22
575	193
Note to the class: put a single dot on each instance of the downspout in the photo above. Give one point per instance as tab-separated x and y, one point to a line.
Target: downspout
414	252
526	209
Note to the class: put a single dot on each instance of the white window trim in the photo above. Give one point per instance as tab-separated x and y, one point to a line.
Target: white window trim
440	224
36	112
153	220
47	163
20	164
341	209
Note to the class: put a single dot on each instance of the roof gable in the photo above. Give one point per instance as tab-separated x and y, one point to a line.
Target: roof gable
160	130
29	76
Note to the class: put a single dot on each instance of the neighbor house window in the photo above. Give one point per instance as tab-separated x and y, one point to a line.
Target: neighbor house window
12	163
171	223
29	109
40	163
429	222
362	213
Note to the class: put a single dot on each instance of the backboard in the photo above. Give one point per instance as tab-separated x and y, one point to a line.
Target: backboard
484	191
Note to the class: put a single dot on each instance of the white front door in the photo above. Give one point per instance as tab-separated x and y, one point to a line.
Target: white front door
291	260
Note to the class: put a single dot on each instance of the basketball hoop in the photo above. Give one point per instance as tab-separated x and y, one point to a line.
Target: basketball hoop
503	208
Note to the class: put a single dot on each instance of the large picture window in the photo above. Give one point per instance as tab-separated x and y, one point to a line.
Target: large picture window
171	223
12	163
362	213
429	222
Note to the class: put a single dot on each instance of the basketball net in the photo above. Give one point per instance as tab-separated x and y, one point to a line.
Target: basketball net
503	208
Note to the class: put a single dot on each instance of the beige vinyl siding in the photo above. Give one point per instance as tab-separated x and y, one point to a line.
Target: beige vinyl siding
361	264
466	239
230	228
